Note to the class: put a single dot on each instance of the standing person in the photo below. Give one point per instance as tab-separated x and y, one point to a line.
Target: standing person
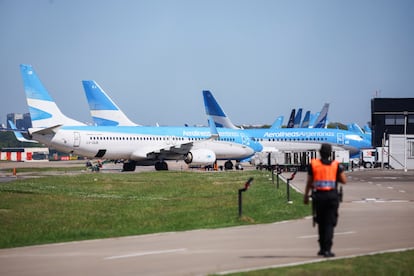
323	175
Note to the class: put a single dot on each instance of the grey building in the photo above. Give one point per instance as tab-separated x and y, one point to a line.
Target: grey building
21	121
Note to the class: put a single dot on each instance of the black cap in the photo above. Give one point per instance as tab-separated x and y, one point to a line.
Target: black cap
325	150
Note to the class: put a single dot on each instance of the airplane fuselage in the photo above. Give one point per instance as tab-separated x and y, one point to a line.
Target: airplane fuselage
140	143
308	139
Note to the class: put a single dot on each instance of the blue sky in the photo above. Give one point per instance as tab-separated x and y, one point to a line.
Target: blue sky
260	58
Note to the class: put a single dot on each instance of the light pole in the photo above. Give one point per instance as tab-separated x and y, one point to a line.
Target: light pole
405	140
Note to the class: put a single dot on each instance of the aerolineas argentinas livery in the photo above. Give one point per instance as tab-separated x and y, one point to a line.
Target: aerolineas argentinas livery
286	139
139	144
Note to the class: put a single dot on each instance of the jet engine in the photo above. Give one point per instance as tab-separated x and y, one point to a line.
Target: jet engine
200	157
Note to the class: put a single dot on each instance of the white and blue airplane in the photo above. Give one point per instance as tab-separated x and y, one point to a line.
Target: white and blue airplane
300	139
140	145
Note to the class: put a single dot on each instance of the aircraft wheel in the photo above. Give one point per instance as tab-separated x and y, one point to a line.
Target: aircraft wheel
228	165
129	166
161	166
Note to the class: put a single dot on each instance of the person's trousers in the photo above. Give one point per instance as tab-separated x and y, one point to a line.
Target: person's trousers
326	204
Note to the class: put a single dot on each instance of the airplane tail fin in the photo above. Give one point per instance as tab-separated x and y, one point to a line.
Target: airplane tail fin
277	123
306	119
367	129
354	127
103	110
43	110
214	110
323	117
291	121
298	118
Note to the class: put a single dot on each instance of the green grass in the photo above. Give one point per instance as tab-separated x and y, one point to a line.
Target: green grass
400	263
94	205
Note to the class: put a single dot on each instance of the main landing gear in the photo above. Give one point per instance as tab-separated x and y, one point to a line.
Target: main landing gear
161	166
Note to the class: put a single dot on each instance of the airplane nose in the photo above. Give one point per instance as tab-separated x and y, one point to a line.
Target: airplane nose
257	147
249	151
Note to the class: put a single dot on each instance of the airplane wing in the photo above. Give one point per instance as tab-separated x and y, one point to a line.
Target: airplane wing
45	131
171	152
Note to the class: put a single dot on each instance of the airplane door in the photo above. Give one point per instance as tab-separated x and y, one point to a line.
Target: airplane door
340	138
76	139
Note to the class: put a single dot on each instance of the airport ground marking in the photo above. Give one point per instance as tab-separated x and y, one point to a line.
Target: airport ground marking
336	234
146	253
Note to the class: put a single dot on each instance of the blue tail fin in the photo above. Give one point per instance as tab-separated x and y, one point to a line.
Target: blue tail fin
291	122
298	118
322	118
305	123
43	110
103	110
277	123
214	110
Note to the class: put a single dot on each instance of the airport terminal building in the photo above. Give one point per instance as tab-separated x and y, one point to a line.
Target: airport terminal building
392	123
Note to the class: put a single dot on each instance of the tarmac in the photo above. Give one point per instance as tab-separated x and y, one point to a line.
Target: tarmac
377	215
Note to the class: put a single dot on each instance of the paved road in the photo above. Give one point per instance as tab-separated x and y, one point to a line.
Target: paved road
376	215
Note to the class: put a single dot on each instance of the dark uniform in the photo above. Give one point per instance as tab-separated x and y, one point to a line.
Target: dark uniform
324	174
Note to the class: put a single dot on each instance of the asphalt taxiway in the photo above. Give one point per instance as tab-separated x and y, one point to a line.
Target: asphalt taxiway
376	216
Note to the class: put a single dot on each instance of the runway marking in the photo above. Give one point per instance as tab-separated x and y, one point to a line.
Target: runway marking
139	254
335	234
379	200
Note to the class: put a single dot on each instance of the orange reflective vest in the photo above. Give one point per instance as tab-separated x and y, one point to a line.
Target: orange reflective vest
324	176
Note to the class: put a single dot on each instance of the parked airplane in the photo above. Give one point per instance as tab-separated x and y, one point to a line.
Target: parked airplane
141	145
305	138
103	110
